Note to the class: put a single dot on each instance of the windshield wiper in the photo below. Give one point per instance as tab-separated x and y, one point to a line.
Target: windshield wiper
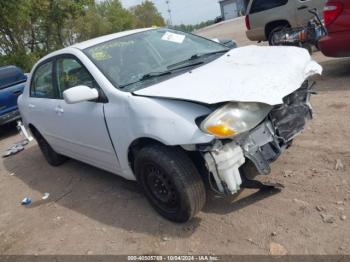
195	57
178	67
147	76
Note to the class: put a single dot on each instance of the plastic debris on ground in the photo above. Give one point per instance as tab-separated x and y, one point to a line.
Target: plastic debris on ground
15	148
45	196
19	146
26	201
23	131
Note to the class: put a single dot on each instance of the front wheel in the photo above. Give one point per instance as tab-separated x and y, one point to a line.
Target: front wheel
170	181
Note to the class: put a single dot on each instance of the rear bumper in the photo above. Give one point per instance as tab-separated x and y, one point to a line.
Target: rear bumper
10	117
336	44
257	34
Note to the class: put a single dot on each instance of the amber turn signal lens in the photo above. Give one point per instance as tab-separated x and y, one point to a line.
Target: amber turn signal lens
221	131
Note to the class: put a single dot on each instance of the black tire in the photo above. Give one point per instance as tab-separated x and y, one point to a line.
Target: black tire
271	34
170	181
53	158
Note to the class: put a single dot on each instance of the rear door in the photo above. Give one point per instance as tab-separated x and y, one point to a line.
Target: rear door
12	82
42	101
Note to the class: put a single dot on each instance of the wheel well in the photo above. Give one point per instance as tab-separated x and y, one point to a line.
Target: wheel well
139	143
34	131
272	25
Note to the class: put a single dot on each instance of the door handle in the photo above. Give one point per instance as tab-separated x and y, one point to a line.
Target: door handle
59	110
303	7
17	93
31	106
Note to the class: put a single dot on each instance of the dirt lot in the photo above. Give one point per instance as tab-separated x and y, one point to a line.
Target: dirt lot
90	211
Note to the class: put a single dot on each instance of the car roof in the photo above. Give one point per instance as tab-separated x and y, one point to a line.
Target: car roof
92	42
105	38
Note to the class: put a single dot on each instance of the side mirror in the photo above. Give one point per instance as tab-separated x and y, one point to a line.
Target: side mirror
79	94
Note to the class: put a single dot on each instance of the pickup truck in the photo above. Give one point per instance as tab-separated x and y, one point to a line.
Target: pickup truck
12	82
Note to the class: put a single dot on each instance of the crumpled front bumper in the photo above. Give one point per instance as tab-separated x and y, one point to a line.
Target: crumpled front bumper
263	144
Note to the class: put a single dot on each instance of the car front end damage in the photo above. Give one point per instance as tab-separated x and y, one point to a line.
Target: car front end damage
229	161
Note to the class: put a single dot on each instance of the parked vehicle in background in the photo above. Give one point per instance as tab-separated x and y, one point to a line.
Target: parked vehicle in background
266	17
12	82
218	19
337	21
171	110
305	37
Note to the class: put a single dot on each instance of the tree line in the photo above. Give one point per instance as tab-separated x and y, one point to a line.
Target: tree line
191	28
30	29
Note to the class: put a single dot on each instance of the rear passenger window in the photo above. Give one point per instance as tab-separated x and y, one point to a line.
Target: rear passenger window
262	5
42	84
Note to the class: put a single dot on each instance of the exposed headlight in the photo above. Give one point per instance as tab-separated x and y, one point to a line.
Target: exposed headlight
235	118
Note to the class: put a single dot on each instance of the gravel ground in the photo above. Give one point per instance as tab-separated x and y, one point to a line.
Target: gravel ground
90	211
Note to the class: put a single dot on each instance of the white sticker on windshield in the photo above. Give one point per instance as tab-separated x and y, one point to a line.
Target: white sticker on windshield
172	37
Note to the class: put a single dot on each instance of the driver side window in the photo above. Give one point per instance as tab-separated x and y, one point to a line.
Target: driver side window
70	73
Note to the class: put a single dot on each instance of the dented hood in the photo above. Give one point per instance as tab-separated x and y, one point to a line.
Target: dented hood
247	74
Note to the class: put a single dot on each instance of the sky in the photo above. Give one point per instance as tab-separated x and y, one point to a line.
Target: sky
184	11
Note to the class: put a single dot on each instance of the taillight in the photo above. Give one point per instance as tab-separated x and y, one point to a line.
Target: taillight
331	11
247	22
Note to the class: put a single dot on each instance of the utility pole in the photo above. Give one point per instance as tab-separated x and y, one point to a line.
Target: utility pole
169	11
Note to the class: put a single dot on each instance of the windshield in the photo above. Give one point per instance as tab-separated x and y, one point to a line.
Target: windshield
133	61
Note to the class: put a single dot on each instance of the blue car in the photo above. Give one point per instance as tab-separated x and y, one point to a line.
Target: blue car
12	81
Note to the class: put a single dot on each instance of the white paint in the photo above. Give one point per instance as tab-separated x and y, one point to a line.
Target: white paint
247	74
79	94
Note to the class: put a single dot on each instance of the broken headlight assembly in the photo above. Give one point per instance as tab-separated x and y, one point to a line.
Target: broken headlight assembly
235	118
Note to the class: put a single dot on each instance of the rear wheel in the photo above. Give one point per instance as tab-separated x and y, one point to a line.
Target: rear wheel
170	181
53	158
272	35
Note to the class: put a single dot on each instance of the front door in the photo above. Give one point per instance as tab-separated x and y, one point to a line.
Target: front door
81	127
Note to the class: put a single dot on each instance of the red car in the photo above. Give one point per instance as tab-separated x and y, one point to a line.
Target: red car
337	21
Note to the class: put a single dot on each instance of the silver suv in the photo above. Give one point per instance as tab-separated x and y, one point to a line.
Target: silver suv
266	17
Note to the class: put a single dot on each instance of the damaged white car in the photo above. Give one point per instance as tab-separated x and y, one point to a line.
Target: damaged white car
172	110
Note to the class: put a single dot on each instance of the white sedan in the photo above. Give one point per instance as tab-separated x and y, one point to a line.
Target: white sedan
172	110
